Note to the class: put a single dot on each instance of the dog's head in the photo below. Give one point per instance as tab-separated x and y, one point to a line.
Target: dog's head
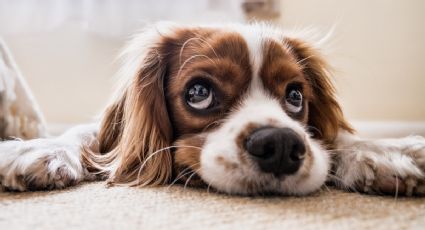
244	109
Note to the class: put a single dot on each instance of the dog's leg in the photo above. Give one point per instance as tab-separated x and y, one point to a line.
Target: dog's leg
46	163
20	115
389	166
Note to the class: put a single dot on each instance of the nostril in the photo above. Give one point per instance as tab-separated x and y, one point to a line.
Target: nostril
262	144
259	148
298	152
296	156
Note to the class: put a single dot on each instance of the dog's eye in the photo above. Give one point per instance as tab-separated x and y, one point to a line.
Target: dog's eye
294	100
199	96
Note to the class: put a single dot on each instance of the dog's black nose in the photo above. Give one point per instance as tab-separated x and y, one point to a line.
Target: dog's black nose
276	150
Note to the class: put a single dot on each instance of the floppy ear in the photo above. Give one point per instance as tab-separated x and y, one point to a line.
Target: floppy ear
136	131
325	114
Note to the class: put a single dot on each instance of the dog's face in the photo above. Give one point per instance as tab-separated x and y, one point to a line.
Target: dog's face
243	109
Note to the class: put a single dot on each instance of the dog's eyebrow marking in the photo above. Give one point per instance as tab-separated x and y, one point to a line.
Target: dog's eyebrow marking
279	68
191	58
193	39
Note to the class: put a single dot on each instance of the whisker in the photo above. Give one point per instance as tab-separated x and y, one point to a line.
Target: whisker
159	151
193	39
327	188
340	183
208	187
336	150
210	46
184	45
314	128
396	187
190	177
185	172
300	62
212	123
191	58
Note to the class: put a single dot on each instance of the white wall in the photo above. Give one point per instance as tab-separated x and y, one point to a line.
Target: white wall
378	50
70	72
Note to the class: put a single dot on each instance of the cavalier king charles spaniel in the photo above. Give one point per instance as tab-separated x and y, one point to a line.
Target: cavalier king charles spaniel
241	109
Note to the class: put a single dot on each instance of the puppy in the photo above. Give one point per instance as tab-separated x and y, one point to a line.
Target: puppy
242	109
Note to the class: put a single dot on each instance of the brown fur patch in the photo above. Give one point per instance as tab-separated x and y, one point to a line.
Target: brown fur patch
187	162
280	69
324	114
221	60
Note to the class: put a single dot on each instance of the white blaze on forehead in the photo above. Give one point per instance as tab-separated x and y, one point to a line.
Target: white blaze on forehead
255	49
255	37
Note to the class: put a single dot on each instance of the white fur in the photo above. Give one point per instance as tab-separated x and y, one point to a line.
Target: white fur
362	164
53	162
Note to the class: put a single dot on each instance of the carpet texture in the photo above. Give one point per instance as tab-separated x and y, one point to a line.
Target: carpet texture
93	206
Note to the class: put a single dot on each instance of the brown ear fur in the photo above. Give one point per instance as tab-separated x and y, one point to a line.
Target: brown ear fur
135	131
325	113
111	127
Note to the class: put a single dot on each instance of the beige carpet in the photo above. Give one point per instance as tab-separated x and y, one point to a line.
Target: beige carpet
93	206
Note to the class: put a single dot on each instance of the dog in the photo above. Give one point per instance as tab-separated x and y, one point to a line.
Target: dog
242	109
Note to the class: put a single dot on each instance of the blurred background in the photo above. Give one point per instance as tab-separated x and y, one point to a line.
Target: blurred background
66	48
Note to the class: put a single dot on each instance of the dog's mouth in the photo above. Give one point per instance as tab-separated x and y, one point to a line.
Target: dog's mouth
189	178
248	180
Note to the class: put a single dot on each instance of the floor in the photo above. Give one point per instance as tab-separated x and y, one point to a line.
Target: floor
93	206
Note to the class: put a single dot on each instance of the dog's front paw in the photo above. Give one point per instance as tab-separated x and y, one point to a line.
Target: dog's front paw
38	167
390	175
393	166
